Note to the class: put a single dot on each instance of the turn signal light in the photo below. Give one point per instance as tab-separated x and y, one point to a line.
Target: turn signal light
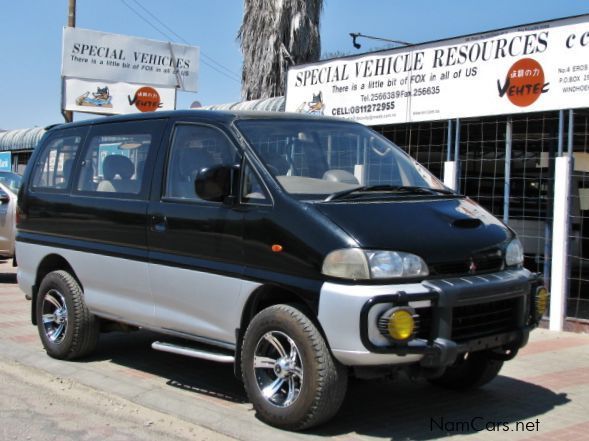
18	216
542	297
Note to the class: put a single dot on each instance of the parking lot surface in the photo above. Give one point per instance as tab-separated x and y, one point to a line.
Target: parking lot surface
542	394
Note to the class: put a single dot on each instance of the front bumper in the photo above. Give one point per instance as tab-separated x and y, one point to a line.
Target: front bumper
348	315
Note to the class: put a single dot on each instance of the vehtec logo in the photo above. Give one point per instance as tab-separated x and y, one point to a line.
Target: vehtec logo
146	99
524	83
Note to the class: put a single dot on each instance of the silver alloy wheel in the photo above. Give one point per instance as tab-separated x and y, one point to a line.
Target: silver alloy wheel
54	316
278	369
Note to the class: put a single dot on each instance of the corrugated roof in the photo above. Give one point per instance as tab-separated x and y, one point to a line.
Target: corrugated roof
275	104
27	139
22	139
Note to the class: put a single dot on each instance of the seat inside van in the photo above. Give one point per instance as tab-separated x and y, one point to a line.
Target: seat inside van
117	171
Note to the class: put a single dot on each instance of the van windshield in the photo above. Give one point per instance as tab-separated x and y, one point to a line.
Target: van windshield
328	159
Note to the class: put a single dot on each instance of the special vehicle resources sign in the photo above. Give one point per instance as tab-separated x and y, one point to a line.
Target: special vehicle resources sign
527	69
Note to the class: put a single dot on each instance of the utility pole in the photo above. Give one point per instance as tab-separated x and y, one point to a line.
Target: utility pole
68	115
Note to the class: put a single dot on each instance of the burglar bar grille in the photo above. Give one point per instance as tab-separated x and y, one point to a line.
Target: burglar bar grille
482	319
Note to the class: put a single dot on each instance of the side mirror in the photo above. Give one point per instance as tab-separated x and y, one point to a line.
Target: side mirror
4	198
214	183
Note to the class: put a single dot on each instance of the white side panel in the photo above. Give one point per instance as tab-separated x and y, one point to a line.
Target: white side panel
198	303
29	257
115	287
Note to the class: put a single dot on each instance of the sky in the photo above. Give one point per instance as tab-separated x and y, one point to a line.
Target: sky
31	32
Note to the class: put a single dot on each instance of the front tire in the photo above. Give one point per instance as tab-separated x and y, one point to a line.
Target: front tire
288	372
66	327
470	371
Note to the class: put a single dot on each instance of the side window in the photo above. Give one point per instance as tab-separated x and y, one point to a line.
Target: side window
252	191
193	148
53	169
114	160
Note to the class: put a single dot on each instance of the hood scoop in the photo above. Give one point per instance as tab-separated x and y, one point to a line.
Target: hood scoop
466	223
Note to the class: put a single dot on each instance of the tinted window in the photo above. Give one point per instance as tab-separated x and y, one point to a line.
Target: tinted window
194	148
53	169
115	159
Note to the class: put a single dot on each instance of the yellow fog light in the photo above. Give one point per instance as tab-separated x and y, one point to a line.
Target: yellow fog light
541	301
401	324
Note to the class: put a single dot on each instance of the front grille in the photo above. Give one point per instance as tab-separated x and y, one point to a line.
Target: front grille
424	323
477	265
483	319
494	263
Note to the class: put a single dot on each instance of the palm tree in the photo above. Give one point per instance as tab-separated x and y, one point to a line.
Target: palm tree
274	35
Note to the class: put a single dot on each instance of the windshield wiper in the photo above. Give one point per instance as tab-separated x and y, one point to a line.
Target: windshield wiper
395	188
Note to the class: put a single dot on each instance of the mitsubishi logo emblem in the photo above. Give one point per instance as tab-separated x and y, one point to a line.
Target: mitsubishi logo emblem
473	267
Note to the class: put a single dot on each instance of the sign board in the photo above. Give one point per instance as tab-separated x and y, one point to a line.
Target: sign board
544	66
108	98
5	161
119	58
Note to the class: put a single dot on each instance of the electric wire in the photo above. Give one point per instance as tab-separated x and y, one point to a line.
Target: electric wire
179	37
229	74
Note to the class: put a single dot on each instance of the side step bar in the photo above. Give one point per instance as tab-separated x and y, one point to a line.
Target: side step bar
191	352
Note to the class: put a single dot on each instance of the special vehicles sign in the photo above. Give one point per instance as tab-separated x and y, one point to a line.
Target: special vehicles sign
112	74
544	66
111	57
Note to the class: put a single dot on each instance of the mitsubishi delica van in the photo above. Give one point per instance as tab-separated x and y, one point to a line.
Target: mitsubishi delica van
301	249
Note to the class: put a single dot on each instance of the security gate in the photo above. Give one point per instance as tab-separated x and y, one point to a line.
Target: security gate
508	164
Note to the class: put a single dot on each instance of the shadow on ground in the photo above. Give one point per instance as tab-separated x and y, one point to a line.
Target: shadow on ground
8	278
133	350
384	409
408	410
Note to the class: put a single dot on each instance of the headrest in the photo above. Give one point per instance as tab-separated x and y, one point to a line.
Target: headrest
114	165
67	166
340	176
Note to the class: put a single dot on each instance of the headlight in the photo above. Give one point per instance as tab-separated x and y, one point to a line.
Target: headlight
514	255
357	264
348	264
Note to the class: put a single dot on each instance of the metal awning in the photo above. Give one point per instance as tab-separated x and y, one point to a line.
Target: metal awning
22	139
275	104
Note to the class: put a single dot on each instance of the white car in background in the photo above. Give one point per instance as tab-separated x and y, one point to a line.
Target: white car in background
8	200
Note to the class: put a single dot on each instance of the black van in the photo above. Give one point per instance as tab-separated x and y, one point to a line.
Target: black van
301	249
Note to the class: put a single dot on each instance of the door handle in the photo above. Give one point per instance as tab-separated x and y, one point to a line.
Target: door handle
159	223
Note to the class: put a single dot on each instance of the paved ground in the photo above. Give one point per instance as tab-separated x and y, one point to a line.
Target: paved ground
35	405
542	394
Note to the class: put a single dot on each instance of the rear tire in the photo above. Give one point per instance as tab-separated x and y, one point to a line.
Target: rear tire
470	371
288	371
66	327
